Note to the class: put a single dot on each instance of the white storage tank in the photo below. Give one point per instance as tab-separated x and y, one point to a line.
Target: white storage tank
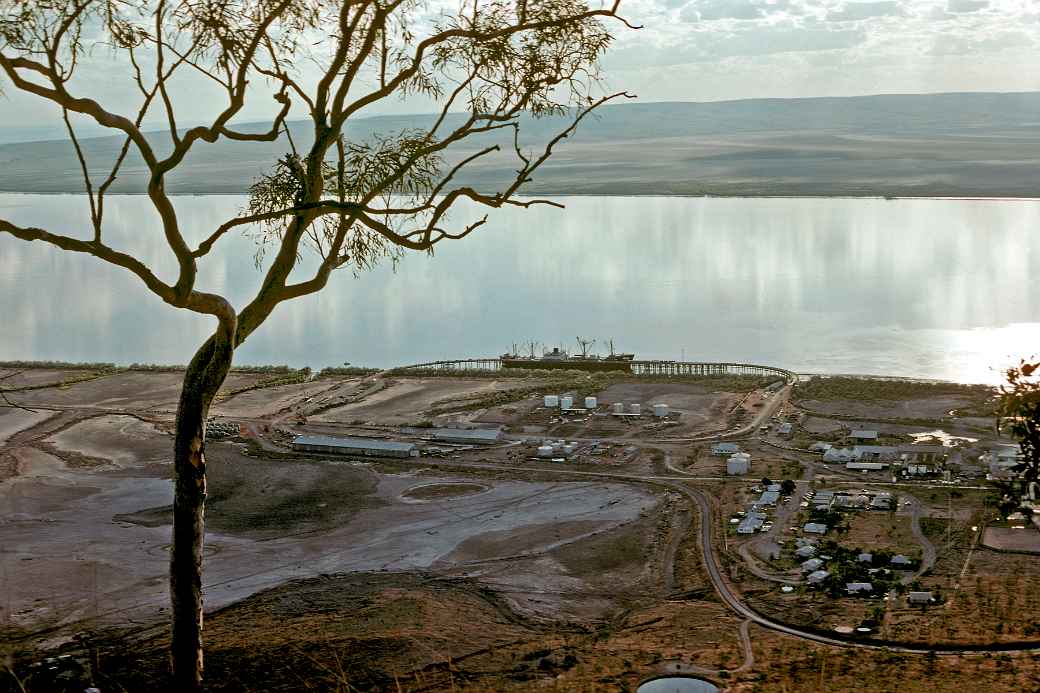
619	407
590	402
635	408
552	401
566	402
545	451
660	410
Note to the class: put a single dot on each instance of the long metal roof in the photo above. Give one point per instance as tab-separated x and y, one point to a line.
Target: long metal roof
482	434
353	443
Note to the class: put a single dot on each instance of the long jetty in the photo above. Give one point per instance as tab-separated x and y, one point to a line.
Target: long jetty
638	368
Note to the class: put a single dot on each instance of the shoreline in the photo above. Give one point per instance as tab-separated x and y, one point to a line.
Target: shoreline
283	369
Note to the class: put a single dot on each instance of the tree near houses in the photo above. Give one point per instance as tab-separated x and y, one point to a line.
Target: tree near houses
1018	411
483	65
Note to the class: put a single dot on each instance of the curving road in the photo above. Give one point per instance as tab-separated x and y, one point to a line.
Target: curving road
730	597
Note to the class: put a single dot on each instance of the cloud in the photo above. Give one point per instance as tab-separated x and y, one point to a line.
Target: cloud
966	6
858	11
712	10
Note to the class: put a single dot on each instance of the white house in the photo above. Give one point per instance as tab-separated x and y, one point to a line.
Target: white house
738	464
859	587
724	448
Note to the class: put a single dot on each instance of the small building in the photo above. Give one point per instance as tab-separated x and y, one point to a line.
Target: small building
901	561
838	455
811	565
660	410
863	435
865	558
468	436
818	577
881	501
773	487
859	587
738	464
751	523
365	447
924	453
820	446
849	502
920	598
823	499
724	449
865	466
874	453
814	528
785	429
768	498
807	551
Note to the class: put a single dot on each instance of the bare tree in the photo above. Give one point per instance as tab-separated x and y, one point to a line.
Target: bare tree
350	202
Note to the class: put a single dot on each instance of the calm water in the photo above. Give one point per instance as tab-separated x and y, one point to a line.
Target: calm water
926	288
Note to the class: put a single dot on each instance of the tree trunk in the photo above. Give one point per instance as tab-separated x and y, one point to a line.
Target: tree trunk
204	376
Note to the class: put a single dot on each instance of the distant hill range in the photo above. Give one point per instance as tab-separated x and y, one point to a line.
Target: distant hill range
964	144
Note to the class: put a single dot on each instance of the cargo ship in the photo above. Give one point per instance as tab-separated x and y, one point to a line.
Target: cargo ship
559	359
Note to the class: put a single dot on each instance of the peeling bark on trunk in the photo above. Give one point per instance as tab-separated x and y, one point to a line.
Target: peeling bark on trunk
204	376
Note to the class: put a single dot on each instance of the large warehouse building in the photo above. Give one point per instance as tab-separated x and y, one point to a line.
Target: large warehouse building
468	436
368	447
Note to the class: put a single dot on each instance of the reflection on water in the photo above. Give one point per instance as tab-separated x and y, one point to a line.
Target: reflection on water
939	289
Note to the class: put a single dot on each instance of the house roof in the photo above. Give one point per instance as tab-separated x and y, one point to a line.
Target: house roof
900	559
920	596
859	587
818	576
475	434
811	564
814	528
769	497
864	435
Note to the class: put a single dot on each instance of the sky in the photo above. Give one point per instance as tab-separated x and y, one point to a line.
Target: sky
733	49
709	50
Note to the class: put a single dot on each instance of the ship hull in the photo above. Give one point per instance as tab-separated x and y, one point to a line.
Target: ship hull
597	365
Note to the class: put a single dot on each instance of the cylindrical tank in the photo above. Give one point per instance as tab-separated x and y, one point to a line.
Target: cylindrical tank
635	408
619	407
552	401
545	451
590	402
566	402
660	410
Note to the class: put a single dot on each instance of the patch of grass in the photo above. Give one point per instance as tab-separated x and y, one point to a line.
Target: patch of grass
878	389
